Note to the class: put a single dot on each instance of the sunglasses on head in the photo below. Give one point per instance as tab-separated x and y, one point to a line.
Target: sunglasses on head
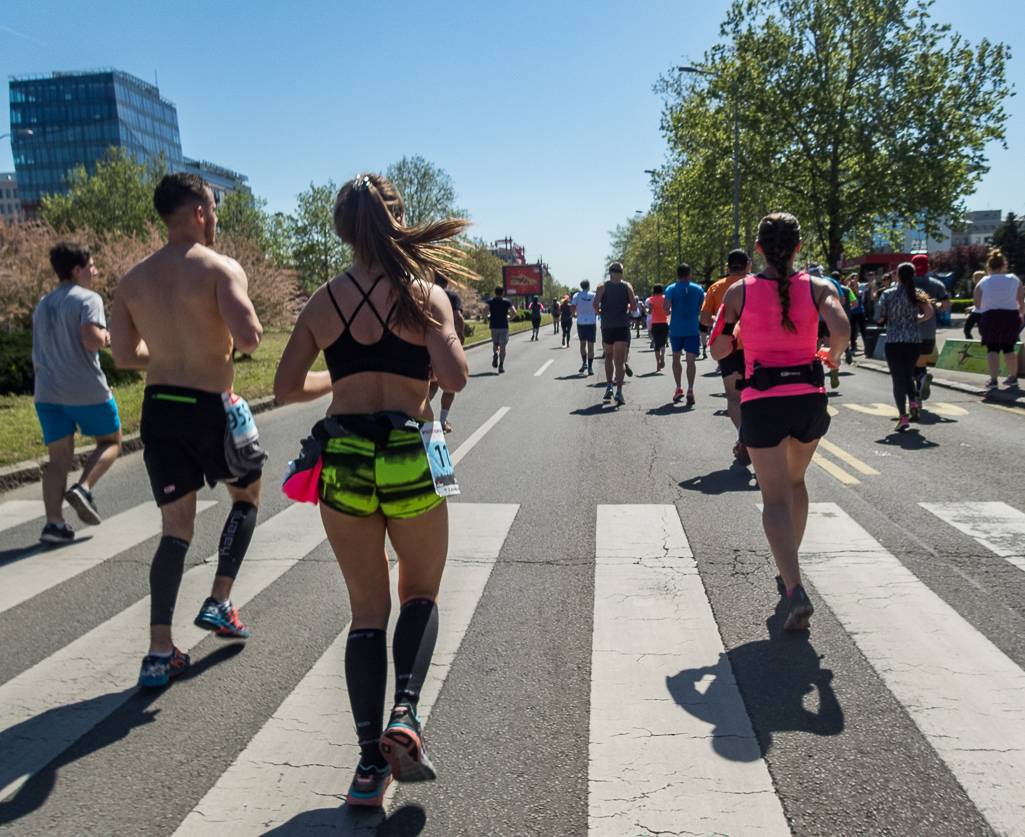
615	270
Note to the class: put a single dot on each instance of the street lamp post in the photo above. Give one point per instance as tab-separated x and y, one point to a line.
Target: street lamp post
658	236
736	153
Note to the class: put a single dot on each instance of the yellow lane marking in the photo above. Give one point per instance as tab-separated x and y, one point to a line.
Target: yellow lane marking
942	408
833	412
1017	410
834	470
843	456
877	409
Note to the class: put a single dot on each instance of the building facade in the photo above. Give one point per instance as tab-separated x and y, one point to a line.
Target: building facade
981	225
10	203
66	119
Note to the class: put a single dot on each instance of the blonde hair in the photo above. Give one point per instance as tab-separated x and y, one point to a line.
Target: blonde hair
996	262
368	215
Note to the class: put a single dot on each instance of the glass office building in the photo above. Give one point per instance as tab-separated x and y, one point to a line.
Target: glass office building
61	120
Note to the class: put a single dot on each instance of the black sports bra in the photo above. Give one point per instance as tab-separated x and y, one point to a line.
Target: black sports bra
347	356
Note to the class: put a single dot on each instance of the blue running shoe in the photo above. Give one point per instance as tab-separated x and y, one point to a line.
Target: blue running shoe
156	671
402	745
368	786
221	618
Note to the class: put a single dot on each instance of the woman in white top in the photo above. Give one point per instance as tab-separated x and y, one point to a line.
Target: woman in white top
1000	300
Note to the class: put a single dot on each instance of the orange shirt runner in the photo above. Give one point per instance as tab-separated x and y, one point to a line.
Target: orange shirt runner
714	297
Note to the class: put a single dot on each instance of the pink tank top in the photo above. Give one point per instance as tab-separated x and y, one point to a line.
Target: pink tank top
765	339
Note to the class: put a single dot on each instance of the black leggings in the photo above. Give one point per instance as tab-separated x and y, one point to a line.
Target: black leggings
902	359
857	324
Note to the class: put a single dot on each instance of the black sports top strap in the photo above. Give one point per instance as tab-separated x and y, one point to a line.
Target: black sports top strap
341	316
366	299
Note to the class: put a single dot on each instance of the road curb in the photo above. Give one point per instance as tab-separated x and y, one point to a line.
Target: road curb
987	395
23	473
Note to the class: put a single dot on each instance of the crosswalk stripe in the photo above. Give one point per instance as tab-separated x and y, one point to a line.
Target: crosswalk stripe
64	696
670	752
998	527
306	752
964	694
15	512
42	567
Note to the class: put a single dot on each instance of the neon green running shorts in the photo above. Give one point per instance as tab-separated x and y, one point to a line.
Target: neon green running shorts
358	477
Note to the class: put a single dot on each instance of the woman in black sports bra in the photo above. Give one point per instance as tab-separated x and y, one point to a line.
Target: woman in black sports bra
385	334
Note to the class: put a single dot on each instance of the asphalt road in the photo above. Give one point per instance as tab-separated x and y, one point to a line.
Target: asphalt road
847	752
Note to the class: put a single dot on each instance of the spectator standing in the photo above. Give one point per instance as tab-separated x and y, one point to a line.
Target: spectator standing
972	320
68	330
1000	300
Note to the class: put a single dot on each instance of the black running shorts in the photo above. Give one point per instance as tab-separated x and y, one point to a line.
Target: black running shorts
765	422
183	431
586	333
660	335
615	335
732	364
927	347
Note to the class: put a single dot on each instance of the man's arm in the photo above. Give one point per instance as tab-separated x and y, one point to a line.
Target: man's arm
943	303
632	297
236	308
457	316
597	299
94	337
126	344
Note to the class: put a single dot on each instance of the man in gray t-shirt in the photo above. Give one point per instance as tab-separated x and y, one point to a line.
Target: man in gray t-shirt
936	291
68	330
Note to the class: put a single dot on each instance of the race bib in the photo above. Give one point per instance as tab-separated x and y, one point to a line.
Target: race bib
240	420
437	457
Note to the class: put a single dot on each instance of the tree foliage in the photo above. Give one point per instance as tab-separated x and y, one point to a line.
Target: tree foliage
241	215
853	113
317	253
1009	237
962	260
116	198
426	189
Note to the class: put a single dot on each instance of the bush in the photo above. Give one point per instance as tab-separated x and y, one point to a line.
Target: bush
958	306
16	372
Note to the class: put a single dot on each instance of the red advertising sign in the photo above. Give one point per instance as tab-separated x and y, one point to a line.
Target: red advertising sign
522	279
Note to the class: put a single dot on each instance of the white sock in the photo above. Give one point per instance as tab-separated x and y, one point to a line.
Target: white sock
443	416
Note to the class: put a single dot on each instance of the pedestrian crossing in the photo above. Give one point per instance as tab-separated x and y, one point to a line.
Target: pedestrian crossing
670	743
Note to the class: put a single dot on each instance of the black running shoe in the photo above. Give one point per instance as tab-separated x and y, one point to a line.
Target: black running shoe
629	371
609	390
494	361
81	500
800	611
52	533
926	386
402	745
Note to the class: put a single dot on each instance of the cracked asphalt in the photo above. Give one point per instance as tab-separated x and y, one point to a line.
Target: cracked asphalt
509	732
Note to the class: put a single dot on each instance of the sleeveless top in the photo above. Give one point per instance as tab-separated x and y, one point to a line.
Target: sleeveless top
999	292
347	356
765	339
615	305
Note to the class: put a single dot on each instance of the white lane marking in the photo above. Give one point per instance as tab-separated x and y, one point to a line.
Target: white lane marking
964	694
43	567
544	366
998	527
834	470
303	757
666	755
15	512
64	696
844	456
477	435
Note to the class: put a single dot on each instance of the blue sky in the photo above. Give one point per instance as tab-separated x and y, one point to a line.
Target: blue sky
542	112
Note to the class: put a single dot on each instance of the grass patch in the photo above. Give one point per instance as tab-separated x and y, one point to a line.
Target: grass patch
21	437
480	331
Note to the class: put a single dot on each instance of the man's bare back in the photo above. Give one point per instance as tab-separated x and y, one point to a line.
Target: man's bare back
179	313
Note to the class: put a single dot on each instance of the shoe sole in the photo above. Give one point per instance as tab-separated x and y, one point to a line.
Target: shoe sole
158	682
677	399
219	628
84	511
620	401
799	617
375	801
404	752
54	539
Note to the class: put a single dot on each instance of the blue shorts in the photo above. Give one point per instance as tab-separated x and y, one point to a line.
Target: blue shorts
690	344
59	420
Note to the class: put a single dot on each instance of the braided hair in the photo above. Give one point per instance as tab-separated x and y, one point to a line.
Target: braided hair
779	234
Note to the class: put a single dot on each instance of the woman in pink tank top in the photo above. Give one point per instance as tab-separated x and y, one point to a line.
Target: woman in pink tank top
783	402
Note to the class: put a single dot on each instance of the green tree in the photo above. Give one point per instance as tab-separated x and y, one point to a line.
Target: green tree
117	197
852	112
426	189
317	253
486	265
241	215
1009	237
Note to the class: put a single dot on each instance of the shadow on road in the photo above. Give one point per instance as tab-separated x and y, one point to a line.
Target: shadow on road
133	712
774	676
18	553
604	408
909	440
671	409
734	478
482	374
408	821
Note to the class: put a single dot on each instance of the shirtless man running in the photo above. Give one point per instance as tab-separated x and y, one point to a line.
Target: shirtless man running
179	314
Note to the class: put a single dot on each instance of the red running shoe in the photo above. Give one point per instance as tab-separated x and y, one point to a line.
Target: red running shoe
221	618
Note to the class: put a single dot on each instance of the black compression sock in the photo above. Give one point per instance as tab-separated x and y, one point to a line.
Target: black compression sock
366	675
235	538
416	632
165	577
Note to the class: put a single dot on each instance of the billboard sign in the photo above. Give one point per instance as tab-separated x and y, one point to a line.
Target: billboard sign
522	279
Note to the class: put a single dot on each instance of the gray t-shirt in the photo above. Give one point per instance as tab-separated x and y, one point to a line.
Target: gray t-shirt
65	372
937	291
